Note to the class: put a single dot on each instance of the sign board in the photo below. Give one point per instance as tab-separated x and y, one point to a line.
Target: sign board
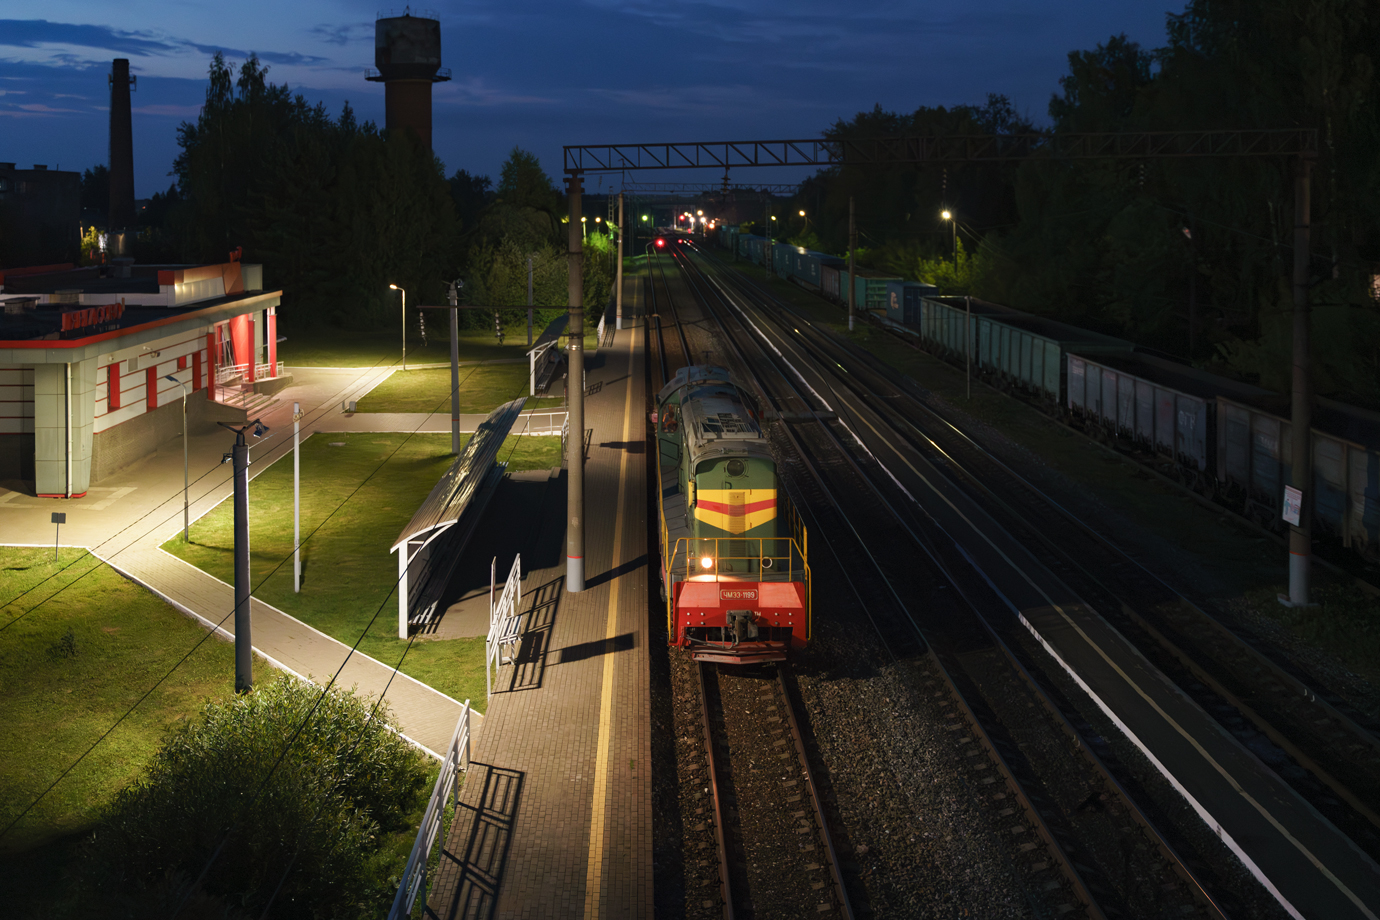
1293	505
59	517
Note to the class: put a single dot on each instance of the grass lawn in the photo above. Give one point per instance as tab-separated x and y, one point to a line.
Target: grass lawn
327	346
59	694
356	499
483	388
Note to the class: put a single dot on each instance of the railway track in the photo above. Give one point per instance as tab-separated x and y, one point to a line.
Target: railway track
1325	751
964	655
764	810
1314	744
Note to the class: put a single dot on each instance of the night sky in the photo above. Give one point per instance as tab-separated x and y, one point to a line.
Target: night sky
541	74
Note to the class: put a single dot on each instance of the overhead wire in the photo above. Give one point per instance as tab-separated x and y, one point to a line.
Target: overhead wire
94	551
322	695
211	631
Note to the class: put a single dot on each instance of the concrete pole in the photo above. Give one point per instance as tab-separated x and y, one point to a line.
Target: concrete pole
529	301
618	274
296	498
575	461
968	342
244	656
186	471
455	370
1301	412
404	325
852	244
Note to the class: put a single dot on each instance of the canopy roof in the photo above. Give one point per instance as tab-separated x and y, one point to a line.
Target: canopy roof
453	492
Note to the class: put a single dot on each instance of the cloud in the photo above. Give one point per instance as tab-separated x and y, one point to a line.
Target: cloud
175	111
343	35
52	36
474	91
33	33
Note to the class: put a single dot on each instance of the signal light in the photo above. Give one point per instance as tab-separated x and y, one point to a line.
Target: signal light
660	243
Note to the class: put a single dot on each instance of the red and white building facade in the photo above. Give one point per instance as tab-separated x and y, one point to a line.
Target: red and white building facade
85	355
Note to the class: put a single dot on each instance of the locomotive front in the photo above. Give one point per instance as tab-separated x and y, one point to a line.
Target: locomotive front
735	573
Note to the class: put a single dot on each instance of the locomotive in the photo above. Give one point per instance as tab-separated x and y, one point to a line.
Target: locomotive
735	574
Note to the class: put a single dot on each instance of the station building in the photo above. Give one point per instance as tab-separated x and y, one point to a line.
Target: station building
85	354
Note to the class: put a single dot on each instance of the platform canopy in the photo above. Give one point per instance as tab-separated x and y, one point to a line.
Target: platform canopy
452	494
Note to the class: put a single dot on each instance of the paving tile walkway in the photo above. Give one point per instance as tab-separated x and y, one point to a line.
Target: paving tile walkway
131	514
555	813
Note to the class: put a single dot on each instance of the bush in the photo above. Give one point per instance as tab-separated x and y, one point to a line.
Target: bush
344	783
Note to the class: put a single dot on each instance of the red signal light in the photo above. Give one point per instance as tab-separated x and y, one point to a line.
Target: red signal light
660	243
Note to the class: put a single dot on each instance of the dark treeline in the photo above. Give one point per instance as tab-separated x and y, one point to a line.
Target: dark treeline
1193	257
337	210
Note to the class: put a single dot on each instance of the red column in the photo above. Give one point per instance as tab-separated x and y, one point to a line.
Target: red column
112	386
151	388
242	339
271	336
196	369
211	361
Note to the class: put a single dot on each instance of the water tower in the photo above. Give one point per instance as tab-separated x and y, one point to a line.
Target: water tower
407	58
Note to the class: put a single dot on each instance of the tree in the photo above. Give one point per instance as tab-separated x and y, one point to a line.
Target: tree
335	210
305	811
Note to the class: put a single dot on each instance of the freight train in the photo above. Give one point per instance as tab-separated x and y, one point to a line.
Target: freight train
1227	440
735	574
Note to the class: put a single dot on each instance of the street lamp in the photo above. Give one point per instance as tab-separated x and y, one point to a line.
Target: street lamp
946	214
404	321
186	514
582	228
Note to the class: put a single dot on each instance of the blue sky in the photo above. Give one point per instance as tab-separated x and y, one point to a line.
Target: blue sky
541	74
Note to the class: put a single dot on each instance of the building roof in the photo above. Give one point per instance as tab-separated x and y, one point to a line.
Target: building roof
453	492
34	335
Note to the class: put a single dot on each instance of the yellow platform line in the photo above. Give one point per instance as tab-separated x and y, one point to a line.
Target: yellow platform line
594	871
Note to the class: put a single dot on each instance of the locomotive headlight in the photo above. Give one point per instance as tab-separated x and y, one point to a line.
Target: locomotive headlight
706	562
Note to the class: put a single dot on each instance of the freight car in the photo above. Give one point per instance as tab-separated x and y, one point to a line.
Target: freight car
735	575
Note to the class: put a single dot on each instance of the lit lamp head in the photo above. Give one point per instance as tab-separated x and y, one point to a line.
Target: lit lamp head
706	562
802	213
946	215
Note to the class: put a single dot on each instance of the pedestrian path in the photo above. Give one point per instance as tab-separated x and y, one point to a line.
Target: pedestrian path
137	510
555	813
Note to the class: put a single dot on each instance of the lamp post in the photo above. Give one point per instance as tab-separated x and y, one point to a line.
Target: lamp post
582	229
296	498
244	646
404	320
948	215
186	514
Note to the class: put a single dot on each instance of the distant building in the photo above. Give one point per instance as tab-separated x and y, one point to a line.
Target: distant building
40	215
84	353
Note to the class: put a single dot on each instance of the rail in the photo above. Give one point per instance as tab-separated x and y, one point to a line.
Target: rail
455	762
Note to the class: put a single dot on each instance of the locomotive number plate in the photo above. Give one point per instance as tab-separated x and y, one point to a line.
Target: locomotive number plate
737	594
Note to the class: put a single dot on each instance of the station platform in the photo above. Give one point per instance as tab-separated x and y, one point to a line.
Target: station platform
555	814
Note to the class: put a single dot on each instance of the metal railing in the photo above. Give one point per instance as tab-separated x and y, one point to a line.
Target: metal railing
550	427
505	623
268	371
225	373
455	761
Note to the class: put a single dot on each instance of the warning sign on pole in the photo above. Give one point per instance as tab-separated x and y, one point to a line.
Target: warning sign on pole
1293	504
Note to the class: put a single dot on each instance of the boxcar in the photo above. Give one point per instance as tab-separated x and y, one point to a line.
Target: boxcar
870	288
1255	462
904	300
1164	407
1027	352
